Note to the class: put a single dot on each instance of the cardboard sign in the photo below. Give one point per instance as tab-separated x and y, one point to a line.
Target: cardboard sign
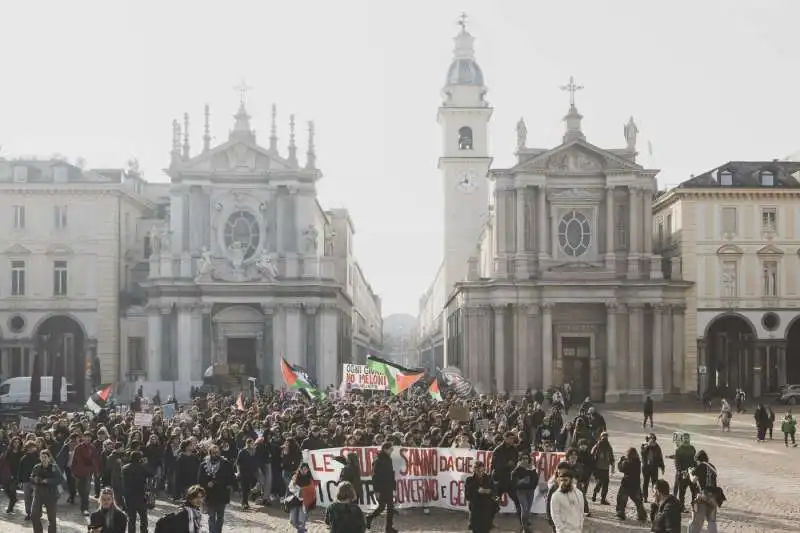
144	420
459	413
364	378
27	424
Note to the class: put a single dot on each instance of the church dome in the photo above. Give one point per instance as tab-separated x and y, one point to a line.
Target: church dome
464	71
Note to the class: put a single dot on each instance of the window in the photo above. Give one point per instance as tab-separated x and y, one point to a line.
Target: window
729	279
574	234
726	178
5	389
669	227
60	213
60	278
19	217
465	138
660	240
136	355
242	232
767	179
769	219
18	278
620	227
729	221
770	278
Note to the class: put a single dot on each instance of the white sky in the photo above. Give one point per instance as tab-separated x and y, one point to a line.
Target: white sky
707	82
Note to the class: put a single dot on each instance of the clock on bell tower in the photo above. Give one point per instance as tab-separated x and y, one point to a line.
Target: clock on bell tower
464	118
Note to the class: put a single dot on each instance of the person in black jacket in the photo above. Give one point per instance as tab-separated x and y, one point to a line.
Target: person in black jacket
351	473
134	486
108	518
652	462
630	467
216	477
504	459
247	464
384	484
666	511
46	478
525	479
481	499
648	412
314	441
344	515
26	464
186	467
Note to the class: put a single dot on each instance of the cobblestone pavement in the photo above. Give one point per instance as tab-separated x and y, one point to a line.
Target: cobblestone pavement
761	481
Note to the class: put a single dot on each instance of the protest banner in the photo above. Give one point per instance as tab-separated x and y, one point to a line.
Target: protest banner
364	378
426	477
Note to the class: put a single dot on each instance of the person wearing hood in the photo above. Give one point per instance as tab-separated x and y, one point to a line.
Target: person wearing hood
665	513
216	477
108	518
652	462
301	498
351	473
384	485
344	515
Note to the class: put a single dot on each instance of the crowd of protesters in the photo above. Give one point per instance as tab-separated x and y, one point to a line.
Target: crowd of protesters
218	446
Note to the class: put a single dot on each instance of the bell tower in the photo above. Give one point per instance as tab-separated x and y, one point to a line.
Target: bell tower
464	164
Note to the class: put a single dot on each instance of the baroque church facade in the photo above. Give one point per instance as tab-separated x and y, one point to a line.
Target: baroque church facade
549	274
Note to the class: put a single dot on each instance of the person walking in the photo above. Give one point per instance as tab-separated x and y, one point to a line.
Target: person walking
216	477
108	518
525	479
134	487
788	428
652	462
709	497
384	484
566	505
648	412
630	466
46	478
666	511
83	466
344	515
26	464
603	456
301	497
247	463
479	492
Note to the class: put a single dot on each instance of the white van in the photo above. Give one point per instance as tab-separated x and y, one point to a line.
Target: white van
18	390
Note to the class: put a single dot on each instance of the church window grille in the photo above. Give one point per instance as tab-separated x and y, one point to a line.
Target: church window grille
574	234
465	138
242	227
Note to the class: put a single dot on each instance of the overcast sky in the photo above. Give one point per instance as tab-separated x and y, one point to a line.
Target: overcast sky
707	81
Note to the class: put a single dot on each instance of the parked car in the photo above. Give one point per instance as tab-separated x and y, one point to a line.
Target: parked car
789	394
18	390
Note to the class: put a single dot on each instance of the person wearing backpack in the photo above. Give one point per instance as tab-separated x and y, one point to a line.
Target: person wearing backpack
344	515
188	519
709	497
788	428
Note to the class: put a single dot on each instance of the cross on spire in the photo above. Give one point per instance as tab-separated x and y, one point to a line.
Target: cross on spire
243	88
572	88
462	21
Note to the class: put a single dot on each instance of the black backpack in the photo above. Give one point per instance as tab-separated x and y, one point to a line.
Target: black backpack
168	522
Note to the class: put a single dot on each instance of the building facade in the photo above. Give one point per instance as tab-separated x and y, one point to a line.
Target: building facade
62	268
735	230
549	274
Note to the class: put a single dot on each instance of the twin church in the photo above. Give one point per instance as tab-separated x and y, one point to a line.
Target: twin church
549	275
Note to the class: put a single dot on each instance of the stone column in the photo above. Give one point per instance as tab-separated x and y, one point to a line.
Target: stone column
647	214
634	223
5	362
678	377
521	267
612	392
309	342
499	348
521	350
501	229
610	258
278	344
472	347
658	346
154	343
547	345
484	378
541	223
781	364
177	202
534	340
635	367
328	346
293	346
268	353
184	345
701	362
197	343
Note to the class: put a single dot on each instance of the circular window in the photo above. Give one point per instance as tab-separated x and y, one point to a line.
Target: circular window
17	323
574	234
242	227
770	321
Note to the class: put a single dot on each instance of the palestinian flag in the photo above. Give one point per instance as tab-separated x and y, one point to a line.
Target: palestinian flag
400	378
297	377
433	390
99	399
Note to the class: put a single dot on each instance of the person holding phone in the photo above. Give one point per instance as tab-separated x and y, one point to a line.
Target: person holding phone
108	518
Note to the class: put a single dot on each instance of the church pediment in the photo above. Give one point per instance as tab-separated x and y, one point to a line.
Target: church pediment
17	249
770	250
576	157
236	156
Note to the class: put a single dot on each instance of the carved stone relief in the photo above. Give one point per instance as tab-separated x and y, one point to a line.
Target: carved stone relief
574	161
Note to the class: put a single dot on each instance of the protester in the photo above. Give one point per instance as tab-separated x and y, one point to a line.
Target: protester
648	412
566	505
788	428
652	462
344	515
134	487
384	484
666	511
216	477
301	497
46	478
108	518
709	496
630	466
481	500
524	479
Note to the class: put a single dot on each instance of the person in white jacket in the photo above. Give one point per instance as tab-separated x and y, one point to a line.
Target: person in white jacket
566	505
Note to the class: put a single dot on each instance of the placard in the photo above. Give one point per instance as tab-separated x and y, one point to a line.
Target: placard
27	424
143	419
426	477
363	377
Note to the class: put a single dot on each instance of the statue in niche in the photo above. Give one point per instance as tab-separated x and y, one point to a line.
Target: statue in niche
205	264
330	240
267	265
236	252
522	134
155	240
630	131
311	236
164	237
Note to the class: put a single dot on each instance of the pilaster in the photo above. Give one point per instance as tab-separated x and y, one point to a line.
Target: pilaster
327	345
499	348
612	391
268	354
534	341
634	226
547	345
647	215
293	347
310	336
484	376
521	260
678	360
658	346
610	257
197	344
635	333
521	349
184	344
542	244
154	342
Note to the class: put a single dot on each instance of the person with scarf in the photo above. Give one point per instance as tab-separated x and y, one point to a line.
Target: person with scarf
189	518
479	491
247	464
216	478
108	518
301	497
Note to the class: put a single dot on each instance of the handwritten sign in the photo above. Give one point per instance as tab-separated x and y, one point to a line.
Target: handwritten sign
143	419
364	378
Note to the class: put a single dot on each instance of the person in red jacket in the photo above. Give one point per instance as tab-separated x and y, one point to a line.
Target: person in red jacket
83	463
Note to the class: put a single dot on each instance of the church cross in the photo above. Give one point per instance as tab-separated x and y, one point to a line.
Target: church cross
243	88
462	21
572	88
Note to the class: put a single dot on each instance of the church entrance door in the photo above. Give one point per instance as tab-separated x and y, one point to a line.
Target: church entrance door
242	351
576	352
